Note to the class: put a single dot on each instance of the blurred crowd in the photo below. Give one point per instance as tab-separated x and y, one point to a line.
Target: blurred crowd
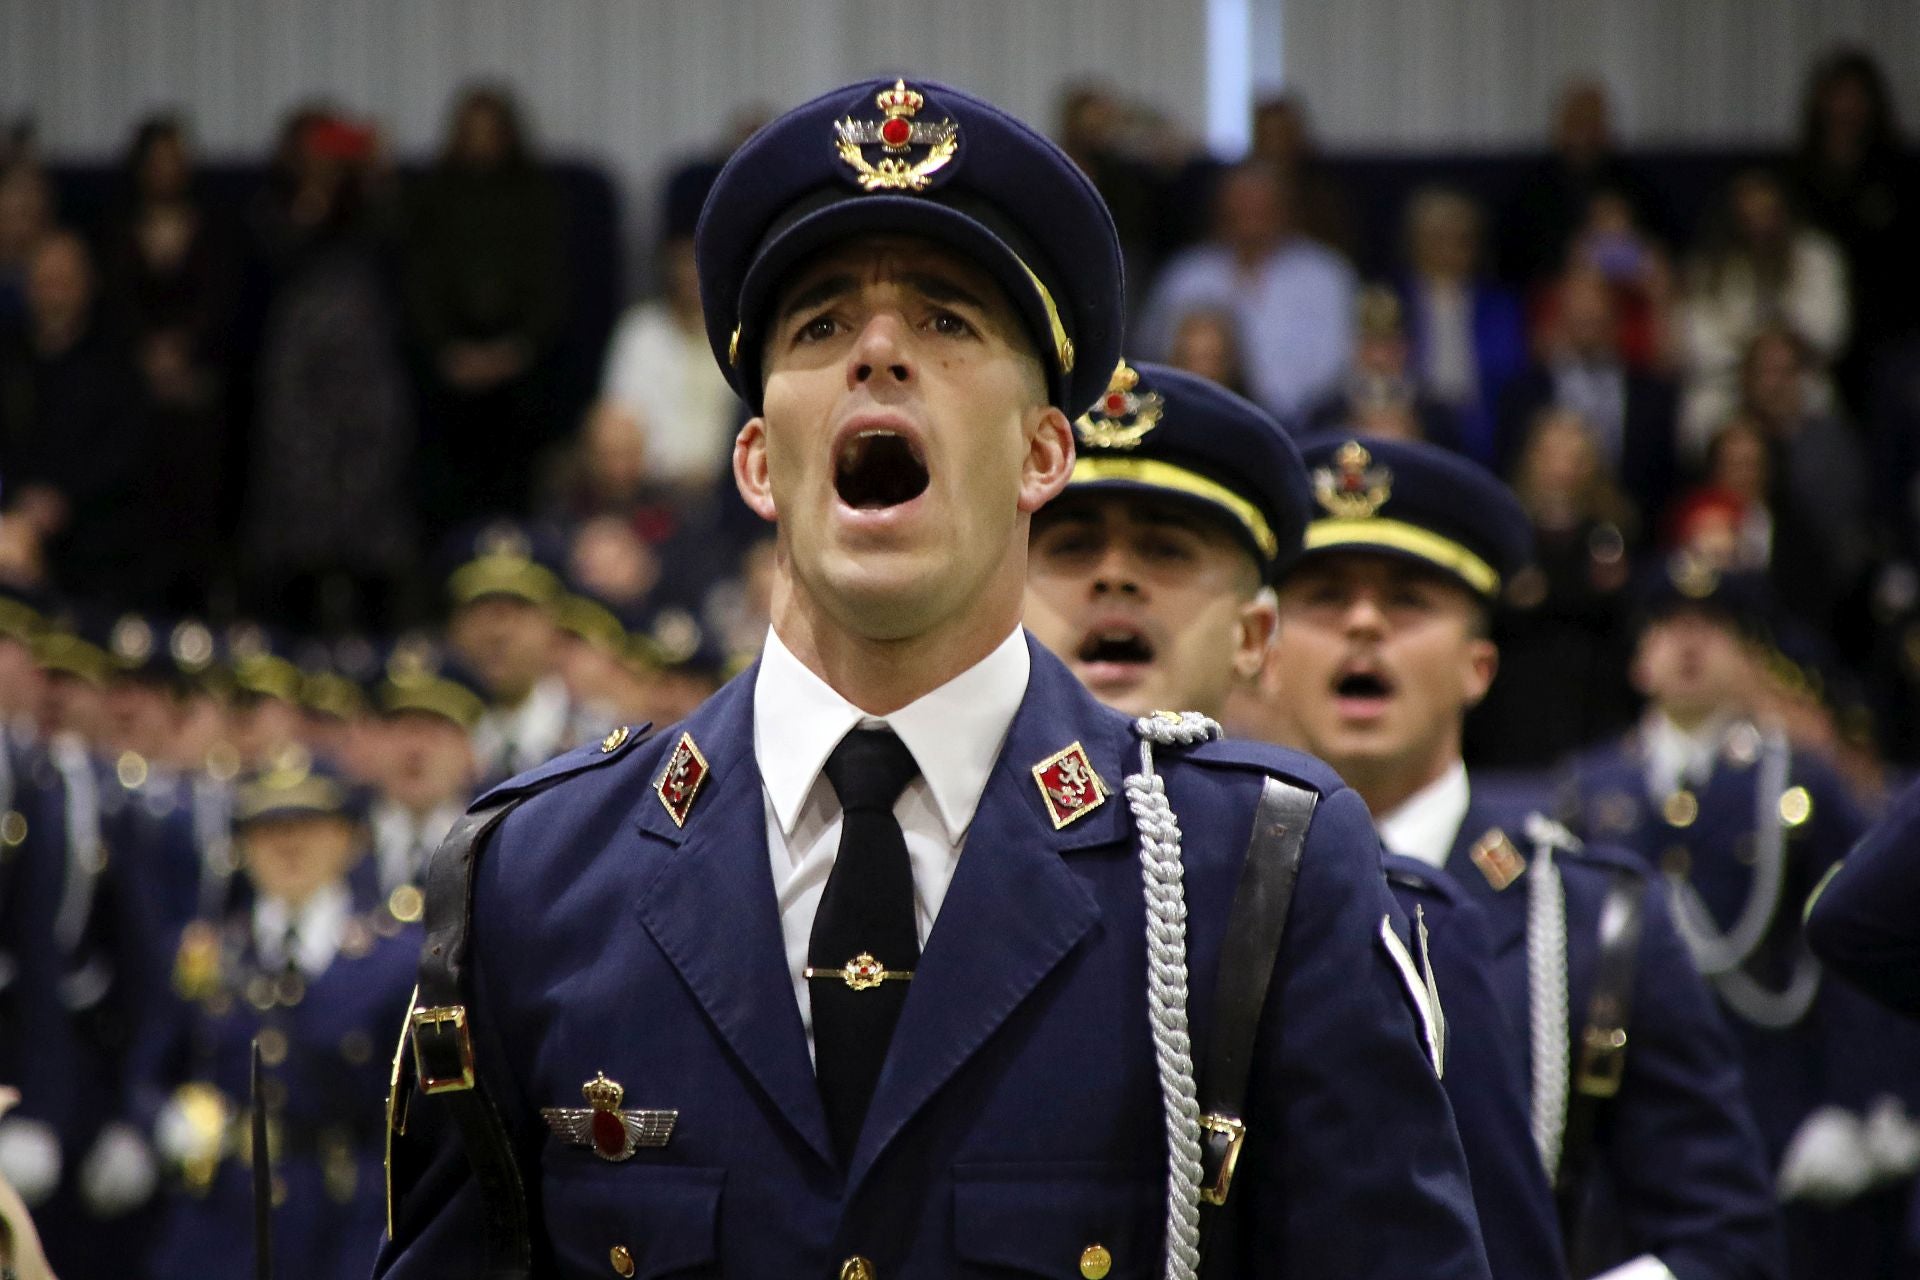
292	505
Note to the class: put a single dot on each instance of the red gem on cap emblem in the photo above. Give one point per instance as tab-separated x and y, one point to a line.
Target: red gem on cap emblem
1116	405
681	780
896	133
1069	786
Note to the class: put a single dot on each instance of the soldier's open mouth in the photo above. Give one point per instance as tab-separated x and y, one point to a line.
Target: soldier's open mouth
1115	646
879	469
1362	684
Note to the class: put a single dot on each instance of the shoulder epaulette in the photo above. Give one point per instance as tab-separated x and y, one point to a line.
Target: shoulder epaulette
1263	757
593	755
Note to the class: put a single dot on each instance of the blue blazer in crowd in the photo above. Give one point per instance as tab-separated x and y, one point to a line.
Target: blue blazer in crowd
1018	1119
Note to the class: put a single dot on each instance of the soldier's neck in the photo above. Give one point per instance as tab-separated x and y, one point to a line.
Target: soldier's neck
1387	786
880	676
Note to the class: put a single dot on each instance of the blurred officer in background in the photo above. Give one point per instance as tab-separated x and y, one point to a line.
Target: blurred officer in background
1147	578
1381	650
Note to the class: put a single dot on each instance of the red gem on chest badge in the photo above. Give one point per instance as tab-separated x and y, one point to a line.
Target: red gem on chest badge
1069	786
681	780
612	1134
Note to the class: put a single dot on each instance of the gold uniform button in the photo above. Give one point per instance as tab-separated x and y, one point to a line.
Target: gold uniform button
406	904
857	1268
622	1260
1095	1262
1796	806
1681	809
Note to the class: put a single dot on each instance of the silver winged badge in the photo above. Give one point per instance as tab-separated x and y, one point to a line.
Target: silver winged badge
613	1134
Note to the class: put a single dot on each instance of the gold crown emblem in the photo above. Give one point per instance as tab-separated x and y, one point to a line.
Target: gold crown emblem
1352	488
895	133
1124	416
603	1094
1693	576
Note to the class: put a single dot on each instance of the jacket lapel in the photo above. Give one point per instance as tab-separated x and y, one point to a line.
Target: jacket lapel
710	907
1014	909
1506	920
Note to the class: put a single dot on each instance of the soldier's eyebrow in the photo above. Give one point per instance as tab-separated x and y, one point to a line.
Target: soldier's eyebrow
940	289
820	292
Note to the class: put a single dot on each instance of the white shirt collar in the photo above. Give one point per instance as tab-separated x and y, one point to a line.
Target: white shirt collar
318	926
1428	822
1677	757
954	732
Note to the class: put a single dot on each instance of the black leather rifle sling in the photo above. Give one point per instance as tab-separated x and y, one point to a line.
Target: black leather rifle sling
1601	1053
1248	953
443	1043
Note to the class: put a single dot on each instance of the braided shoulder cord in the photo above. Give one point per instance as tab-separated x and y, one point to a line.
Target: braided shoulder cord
1547	1005
1164	877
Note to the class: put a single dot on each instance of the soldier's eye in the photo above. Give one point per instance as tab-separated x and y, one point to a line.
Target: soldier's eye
951	325
817	329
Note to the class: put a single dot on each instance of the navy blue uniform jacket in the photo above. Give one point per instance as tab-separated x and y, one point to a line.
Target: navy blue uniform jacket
1485	1079
1018	1119
1866	922
1682	1161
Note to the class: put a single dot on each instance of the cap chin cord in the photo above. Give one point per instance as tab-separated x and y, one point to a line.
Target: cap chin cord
1163	874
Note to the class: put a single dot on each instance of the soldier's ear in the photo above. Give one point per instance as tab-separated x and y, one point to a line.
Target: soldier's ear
750	469
1049	461
1483	663
1259	621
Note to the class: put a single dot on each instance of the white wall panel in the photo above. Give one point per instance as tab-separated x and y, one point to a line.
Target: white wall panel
1415	74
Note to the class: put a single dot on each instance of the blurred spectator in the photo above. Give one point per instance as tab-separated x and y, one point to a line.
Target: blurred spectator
1207	342
661	374
1823	472
1291	296
1582	367
71	433
1283	138
1561	624
172	282
1556	195
1856	184
486	296
1758	265
1742	517
329	529
1468	336
1381	397
1637	273
1093	127
26	216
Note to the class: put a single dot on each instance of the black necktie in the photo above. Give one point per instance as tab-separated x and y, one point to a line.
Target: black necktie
864	930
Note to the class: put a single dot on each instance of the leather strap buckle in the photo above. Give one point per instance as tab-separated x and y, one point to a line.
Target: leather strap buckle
442	1049
1219	1153
1603	1061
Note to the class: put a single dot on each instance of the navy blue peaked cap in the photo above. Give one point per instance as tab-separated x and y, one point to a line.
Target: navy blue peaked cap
1178	436
1684	582
923	159
1415	501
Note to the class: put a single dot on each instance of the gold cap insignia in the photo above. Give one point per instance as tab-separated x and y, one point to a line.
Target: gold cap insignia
681	780
612	1134
897	133
1692	575
1069	786
1353	488
1124	416
1497	859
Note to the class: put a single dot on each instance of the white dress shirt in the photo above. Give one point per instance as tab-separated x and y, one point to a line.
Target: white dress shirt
318	926
514	739
404	840
1678	758
955	734
1428	822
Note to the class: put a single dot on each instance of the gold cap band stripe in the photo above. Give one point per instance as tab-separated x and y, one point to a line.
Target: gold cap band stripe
1165	475
1062	347
1412	539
